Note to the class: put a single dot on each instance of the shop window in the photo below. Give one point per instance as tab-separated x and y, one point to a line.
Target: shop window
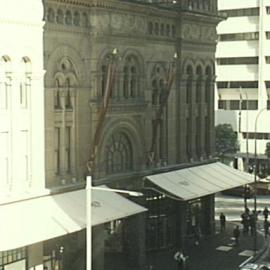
16	257
193	217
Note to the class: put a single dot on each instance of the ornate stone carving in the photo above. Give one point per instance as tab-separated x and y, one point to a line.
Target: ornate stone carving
125	23
199	33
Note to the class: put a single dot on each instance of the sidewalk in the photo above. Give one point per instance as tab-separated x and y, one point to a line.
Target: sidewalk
213	253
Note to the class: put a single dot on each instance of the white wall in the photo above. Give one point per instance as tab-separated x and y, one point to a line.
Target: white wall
21	29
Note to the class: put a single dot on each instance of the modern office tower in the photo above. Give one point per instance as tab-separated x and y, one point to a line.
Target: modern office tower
243	77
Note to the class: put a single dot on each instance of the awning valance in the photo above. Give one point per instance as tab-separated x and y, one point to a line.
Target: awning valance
199	181
39	219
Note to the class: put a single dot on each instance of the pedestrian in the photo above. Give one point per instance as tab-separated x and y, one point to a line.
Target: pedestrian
245	222
181	260
265	212
266	227
222	219
247	211
236	234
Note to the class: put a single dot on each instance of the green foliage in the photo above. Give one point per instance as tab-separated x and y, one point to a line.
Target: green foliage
226	139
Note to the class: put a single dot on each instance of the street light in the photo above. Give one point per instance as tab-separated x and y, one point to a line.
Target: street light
255	176
89	189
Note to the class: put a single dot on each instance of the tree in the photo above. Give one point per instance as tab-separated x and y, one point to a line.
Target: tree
226	140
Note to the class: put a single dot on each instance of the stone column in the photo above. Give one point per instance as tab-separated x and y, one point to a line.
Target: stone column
181	225
98	247
208	203
192	117
202	114
62	134
136	241
211	113
182	151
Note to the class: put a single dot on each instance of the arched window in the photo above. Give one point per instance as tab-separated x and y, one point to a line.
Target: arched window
173	31
162	29
103	79
130	77
57	102
208	85
68	103
168	30
159	124
85	21
60	16
150	28
154	92
189	85
125	82
161	90
68	18
198	84
5	81
51	15
119	154
156	28
133	81
76	20
25	84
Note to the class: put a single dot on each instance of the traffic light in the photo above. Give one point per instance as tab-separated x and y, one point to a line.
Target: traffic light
247	192
250	169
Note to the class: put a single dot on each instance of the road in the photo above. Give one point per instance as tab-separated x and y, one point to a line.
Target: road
233	206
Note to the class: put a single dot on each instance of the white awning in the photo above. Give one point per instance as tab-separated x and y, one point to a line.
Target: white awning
108	206
199	181
31	221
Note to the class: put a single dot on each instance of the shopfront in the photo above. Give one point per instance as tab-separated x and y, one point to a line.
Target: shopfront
181	203
13	259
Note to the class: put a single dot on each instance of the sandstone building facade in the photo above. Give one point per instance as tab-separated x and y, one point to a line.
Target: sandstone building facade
128	92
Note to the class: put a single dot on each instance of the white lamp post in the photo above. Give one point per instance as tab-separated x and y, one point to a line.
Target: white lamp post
89	189
255	176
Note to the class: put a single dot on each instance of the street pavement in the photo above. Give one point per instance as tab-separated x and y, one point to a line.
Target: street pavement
214	252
